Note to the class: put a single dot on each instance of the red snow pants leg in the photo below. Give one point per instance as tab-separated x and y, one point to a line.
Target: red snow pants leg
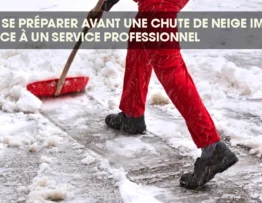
172	72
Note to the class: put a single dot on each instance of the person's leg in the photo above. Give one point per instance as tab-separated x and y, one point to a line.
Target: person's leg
179	86
135	88
172	72
136	80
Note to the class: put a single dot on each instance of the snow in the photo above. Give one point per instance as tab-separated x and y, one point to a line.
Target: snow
129	147
228	89
45	159
52	141
220	78
133	193
88	160
28	102
113	104
33	148
173	136
159	97
14	143
14	96
130	191
216	78
41	195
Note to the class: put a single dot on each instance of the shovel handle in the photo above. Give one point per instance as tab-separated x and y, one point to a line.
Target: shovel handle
96	12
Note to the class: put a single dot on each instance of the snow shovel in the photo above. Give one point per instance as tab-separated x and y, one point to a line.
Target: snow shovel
65	85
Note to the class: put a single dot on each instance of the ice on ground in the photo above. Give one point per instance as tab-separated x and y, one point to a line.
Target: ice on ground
129	147
173	136
129	191
1	150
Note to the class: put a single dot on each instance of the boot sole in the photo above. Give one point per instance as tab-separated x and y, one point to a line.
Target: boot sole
134	131
128	130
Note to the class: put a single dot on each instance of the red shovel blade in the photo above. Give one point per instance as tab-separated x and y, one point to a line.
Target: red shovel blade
47	88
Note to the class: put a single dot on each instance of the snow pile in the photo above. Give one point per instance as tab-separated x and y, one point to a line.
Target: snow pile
130	191
12	142
52	141
106	68
239	121
27	102
241	135
33	148
45	159
41	193
133	193
113	104
40	135
216	78
14	96
19	68
89	159
13	134
159	97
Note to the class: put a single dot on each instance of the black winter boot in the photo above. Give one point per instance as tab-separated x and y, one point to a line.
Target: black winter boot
206	169
128	124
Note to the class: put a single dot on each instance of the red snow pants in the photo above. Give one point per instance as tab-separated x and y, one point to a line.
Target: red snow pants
172	72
